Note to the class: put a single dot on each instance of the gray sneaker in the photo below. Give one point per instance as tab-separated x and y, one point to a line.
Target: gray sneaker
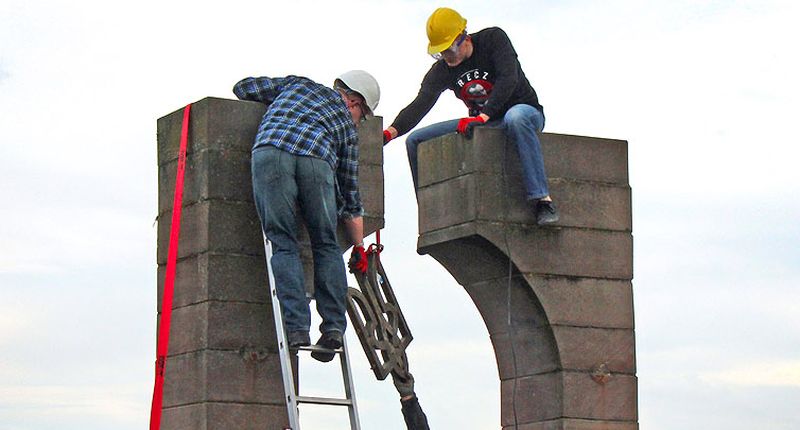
546	213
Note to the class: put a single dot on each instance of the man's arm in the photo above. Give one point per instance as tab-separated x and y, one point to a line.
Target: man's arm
354	229
431	88
347	177
261	89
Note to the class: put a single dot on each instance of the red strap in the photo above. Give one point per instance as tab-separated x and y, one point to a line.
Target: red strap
376	247
169	282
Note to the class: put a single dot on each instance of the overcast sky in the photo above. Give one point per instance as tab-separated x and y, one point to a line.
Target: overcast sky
705	92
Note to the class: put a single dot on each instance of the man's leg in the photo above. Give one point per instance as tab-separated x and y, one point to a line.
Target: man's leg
521	123
275	194
318	206
426	133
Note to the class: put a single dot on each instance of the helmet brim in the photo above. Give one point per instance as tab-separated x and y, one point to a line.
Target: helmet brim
435	49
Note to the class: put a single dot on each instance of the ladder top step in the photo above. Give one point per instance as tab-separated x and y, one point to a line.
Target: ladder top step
324	401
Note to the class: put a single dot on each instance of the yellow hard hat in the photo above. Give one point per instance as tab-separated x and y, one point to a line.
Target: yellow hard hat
443	28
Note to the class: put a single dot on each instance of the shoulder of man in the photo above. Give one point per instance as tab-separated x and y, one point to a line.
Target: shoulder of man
490	33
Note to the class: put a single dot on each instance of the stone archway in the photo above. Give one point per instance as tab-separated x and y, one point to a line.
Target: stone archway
557	301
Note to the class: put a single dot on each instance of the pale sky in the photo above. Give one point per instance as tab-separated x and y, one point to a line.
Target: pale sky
705	92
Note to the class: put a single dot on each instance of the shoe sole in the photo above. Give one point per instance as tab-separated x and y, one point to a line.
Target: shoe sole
547	221
325	356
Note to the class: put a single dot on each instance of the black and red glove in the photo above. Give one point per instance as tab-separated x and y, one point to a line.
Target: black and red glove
358	259
466	125
387	136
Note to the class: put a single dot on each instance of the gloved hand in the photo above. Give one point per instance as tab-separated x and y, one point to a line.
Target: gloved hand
465	125
404	386
358	259
387	136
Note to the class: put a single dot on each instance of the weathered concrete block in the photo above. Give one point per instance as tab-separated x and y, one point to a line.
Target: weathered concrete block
223	325
585	158
223	416
223	277
448	157
489	197
469	257
213	226
569	252
209	174
216	124
574	157
568	395
576	424
586	348
586	302
370	141
614	400
592	205
249	375
370	188
531	399
507	301
525	352
544	251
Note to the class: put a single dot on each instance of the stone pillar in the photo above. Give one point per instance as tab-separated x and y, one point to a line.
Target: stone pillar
223	369
557	301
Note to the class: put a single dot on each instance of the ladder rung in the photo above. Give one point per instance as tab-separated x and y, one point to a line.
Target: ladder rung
313	348
324	401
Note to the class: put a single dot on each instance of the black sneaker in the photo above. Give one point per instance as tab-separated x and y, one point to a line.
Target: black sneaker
546	212
297	339
329	340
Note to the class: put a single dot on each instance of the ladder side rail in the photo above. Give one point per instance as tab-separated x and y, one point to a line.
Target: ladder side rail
283	347
349	387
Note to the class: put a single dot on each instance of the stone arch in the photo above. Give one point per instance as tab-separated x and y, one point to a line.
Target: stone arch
556	301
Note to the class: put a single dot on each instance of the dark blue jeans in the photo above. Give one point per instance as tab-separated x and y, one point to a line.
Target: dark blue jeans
282	184
520	123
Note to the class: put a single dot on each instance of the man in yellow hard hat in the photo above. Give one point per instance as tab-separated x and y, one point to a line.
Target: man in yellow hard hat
483	71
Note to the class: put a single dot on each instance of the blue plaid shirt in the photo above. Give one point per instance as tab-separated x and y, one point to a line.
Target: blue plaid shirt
309	119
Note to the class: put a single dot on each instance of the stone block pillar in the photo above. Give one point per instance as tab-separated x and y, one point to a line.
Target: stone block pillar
557	301
223	369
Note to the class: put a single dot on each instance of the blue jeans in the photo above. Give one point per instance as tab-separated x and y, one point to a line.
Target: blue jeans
282	183
520	123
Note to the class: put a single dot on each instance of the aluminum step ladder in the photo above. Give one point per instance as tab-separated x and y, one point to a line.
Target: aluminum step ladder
293	400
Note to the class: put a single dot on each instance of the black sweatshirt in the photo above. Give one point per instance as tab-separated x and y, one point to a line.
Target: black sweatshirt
490	81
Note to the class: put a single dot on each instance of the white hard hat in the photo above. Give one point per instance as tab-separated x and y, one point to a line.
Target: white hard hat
364	84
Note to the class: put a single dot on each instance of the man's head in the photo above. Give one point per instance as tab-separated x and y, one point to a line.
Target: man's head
360	91
447	34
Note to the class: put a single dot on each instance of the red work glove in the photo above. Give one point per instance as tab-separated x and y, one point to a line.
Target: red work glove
358	260
387	136
465	125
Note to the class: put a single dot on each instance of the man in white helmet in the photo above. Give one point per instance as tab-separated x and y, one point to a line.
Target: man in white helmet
306	156
483	71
